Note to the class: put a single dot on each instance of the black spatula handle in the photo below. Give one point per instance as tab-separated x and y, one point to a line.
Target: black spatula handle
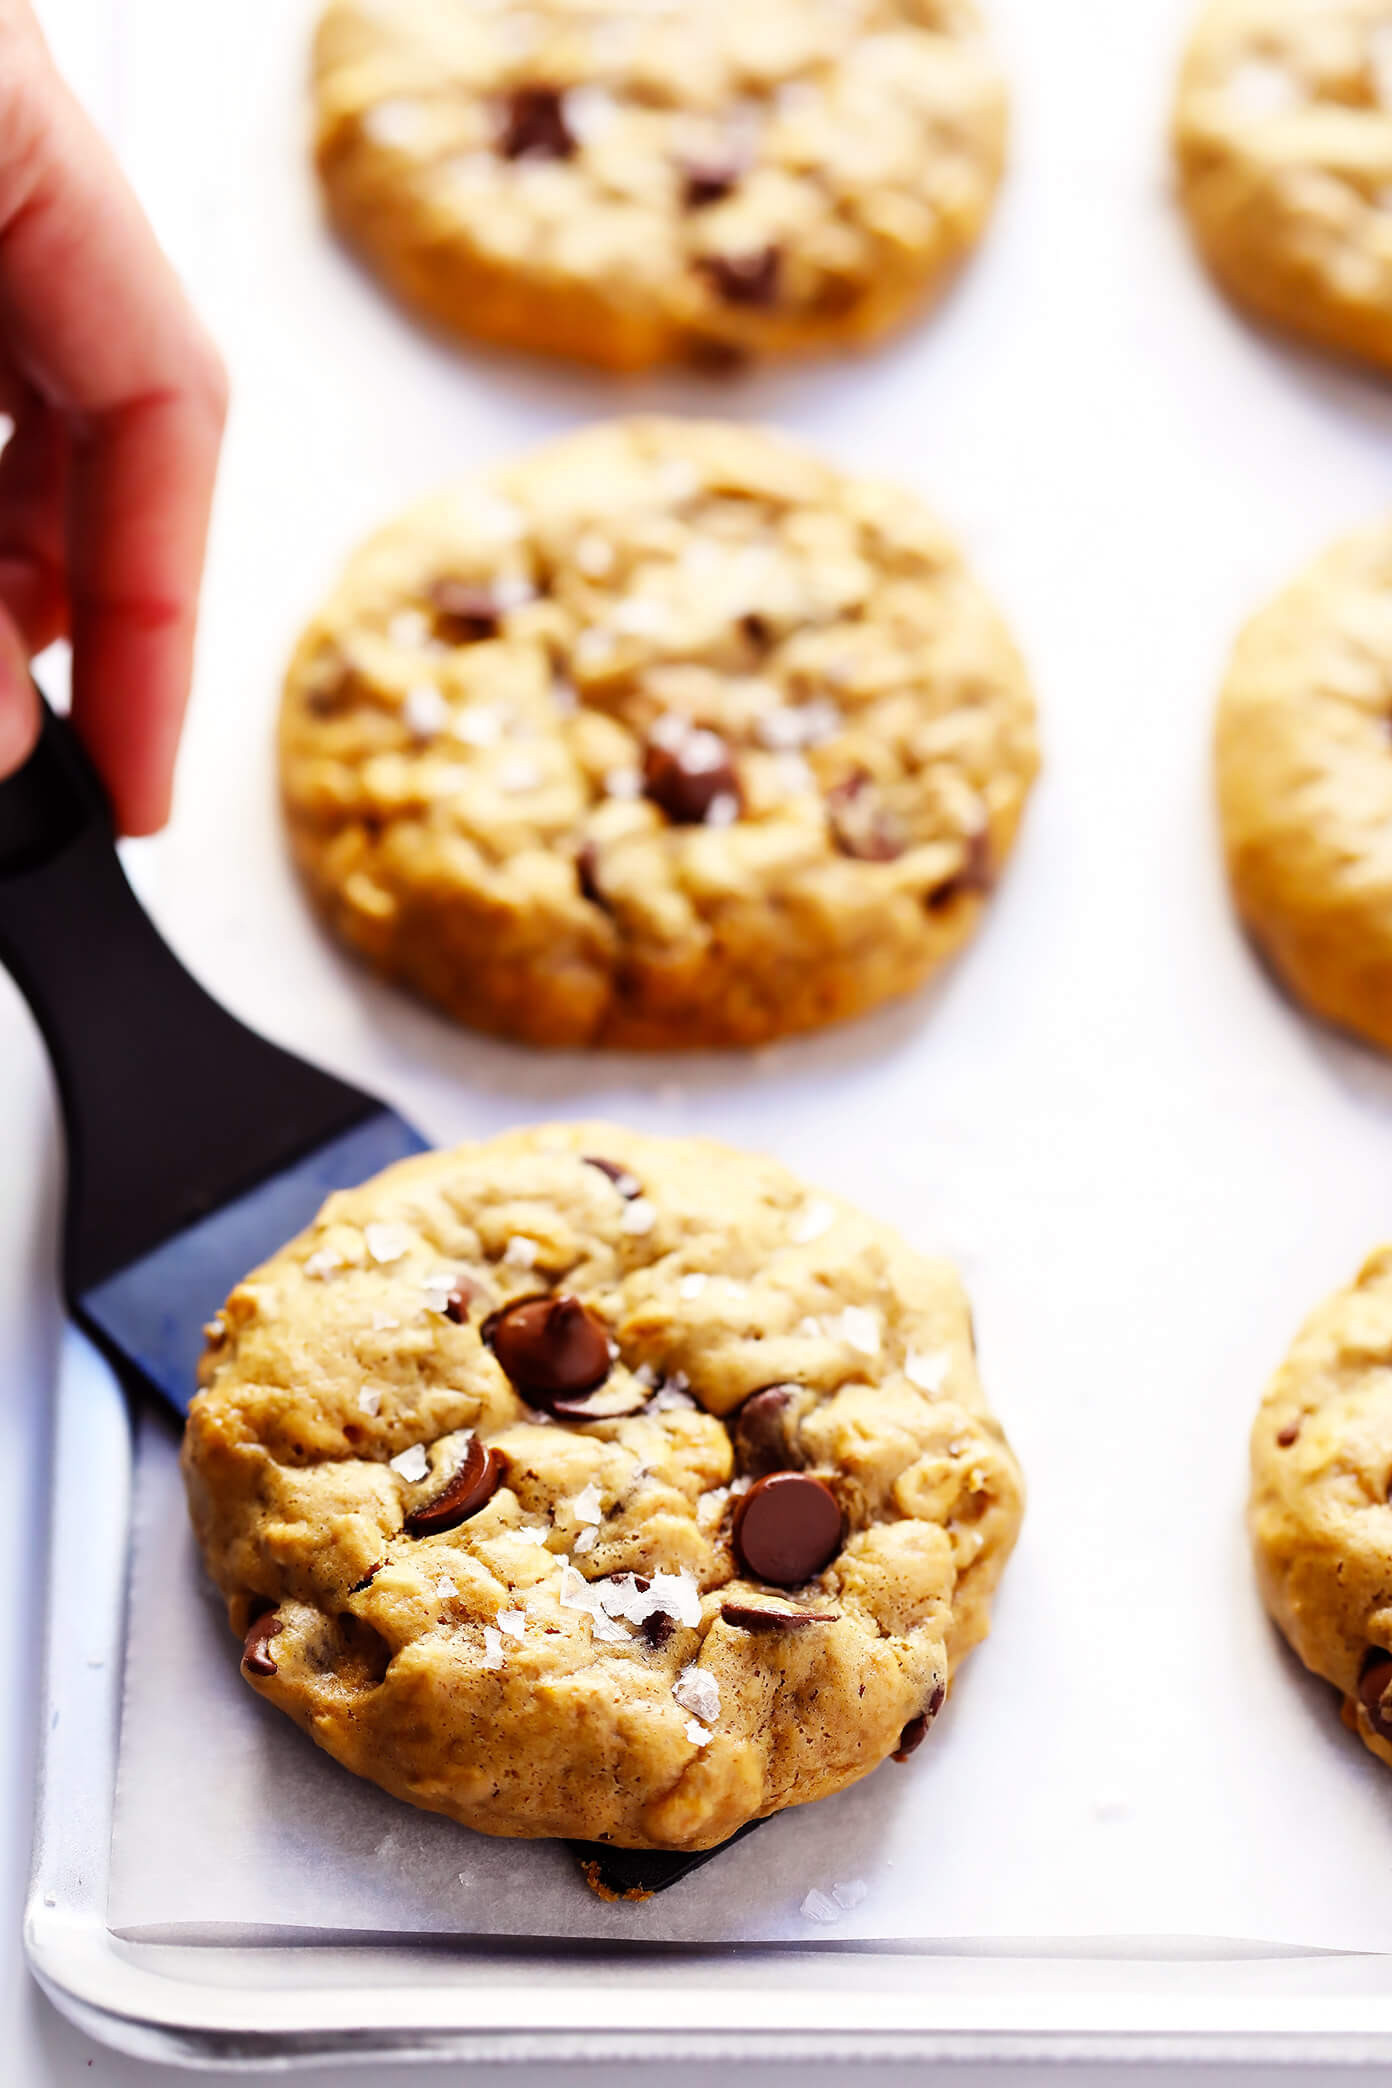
169	1102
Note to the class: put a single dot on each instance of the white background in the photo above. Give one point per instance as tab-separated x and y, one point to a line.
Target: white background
1147	1165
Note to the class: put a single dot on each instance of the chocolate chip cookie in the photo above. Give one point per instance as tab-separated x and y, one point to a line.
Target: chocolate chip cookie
1321	1525
613	1487
1304	753
630	184
668	735
1283	132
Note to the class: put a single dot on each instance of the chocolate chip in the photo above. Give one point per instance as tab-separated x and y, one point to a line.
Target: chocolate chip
534	125
628	1185
1288	1435
476	1479
755	628
465	611
710	180
612	1402
746	1617
714	358
1374	1683
786	1528
256	1657
860	825
686	779
977	873
745	279
916	1731
657	1627
587	873
367	1579
761	1435
551	1348
912	1738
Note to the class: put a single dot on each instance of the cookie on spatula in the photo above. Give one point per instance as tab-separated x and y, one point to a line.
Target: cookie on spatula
602	1486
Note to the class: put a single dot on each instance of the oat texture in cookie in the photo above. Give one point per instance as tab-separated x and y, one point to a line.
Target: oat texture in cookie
1283	132
563	1526
668	735
1304	754
630	183
1321	1526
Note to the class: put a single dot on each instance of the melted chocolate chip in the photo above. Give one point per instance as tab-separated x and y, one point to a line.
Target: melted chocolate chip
746	1616
786	1528
367	1579
1288	1435
612	1402
977	873
709	180
657	1627
1374	1684
256	1657
535	127
686	780
761	1434
476	1479
627	1184
551	1348
916	1731
860	825
465	611
745	279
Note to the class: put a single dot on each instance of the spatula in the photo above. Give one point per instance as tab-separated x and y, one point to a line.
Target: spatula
195	1147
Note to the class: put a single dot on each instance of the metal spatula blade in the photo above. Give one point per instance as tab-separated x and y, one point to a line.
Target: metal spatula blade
195	1147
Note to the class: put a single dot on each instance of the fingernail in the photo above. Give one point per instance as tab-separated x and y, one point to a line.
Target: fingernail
19	706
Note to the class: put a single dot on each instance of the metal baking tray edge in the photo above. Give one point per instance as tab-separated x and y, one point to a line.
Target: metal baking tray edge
276	2005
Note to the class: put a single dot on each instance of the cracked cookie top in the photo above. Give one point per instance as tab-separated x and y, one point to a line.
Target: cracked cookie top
587	1484
1283	130
668	734
1319	1515
635	181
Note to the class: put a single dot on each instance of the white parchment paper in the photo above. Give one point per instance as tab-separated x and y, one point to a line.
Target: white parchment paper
1146	1164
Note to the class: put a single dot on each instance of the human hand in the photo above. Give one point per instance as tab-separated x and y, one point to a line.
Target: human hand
118	401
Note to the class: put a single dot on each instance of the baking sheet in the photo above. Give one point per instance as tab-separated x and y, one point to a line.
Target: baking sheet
1147	1166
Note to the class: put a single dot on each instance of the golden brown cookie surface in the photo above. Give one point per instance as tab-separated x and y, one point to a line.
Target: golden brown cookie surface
629	183
1320	1520
1283	131
587	1484
668	735
1304	754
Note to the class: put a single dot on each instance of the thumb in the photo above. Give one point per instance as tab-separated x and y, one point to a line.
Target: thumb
19	705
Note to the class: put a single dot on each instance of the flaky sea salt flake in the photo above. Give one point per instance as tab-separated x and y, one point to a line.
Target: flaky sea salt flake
816	1217
859	1328
386	1243
696	1733
513	1622
698	1692
520	1252
493	1655
370	1403
850	1894
817	1907
325	1261
928	1372
411	1464
639	1217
